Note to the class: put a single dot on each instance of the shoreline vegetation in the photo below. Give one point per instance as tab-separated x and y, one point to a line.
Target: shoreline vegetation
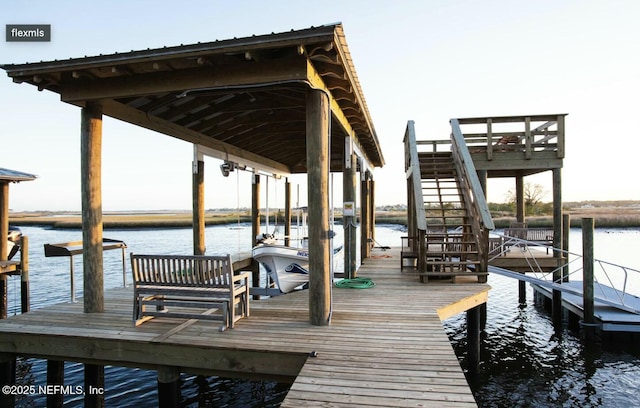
607	214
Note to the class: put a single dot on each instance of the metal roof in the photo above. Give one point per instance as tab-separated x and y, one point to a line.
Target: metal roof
244	97
15	176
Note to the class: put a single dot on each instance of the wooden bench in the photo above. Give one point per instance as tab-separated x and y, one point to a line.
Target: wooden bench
190	283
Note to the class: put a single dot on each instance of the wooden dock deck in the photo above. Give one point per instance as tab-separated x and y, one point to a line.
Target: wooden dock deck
385	345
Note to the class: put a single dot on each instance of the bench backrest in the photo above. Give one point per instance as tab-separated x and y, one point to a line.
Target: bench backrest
182	270
530	234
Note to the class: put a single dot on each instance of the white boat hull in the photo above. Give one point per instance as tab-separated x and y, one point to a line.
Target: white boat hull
287	266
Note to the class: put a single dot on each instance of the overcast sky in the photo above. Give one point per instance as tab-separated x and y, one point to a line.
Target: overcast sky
425	60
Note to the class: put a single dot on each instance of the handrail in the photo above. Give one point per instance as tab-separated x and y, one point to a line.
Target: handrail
516	134
617	276
412	169
463	158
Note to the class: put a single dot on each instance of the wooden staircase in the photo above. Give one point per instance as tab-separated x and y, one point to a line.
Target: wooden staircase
452	248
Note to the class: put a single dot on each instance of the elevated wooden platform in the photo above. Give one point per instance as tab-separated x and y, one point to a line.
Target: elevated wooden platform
519	260
385	346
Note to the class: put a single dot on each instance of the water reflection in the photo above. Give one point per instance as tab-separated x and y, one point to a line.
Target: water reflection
525	361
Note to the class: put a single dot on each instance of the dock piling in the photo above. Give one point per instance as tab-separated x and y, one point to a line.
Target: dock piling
168	387
93	385
55	376
24	274
473	339
587	280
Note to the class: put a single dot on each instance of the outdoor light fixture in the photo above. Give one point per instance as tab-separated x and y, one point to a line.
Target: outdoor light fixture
226	168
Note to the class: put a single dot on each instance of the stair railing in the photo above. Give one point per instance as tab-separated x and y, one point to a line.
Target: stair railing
416	216
470	187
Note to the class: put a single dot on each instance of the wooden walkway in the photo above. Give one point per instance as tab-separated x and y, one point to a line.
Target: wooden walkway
608	318
385	346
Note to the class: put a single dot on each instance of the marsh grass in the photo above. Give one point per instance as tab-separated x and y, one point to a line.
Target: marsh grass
605	217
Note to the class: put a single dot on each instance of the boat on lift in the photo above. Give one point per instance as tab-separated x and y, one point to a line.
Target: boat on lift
287	266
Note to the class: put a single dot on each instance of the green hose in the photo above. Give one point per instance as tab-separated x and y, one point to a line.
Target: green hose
355	283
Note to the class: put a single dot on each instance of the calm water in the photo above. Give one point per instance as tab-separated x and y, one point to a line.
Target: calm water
525	362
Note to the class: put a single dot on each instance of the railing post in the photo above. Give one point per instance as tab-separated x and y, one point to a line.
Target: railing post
489	139
527	138
566	228
587	280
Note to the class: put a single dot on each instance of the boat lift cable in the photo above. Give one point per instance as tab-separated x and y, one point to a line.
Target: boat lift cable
355	283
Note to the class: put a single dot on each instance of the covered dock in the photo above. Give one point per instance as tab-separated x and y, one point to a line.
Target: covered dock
281	103
277	104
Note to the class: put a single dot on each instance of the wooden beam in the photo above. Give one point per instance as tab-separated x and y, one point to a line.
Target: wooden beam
136	117
250	73
318	207
315	80
462	305
91	182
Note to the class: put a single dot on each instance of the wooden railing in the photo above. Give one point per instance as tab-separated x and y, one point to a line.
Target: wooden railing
470	187
526	134
416	216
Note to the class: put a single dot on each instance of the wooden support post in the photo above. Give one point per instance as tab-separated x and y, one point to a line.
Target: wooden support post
199	247
24	274
7	377
411	211
557	243
566	228
587	280
520	205
489	139
318	204
422	254
528	139
364	218
520	217
255	224
473	339
4	250
4	287
93	385
4	220
482	176
522	291
349	223
55	376
372	212
91	182
287	212
168	387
